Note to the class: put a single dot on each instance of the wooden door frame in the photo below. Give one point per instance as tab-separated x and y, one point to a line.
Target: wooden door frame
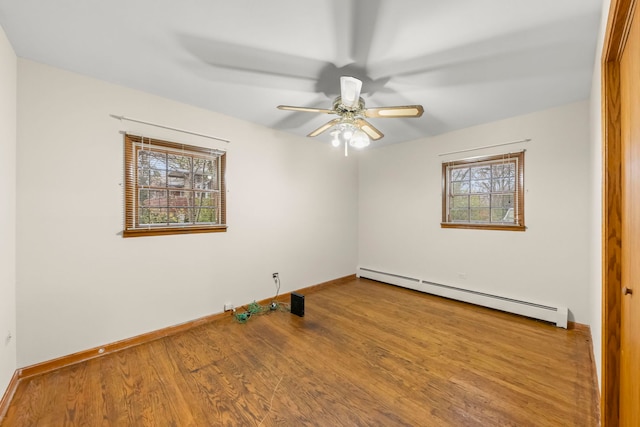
618	24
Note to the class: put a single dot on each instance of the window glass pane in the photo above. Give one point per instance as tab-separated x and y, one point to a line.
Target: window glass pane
459	201
150	216
205	215
481	186
205	176
479	214
460	215
143	177
178	180
481	172
153	198
502	215
143	216
179	215
204	166
460	187
158	178
504	184
150	160
502	200
510	216
179	163
143	159
477	201
460	174
502	170
179	171
203	182
180	198
205	199
157	215
143	196
153	160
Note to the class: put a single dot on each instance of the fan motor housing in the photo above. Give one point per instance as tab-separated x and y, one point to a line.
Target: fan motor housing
340	108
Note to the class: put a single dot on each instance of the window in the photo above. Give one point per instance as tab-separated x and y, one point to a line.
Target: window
484	193
172	188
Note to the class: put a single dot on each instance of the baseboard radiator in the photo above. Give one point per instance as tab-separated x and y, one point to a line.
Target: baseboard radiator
557	315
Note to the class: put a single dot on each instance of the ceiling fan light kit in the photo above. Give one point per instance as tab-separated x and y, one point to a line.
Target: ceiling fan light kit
351	128
359	139
348	134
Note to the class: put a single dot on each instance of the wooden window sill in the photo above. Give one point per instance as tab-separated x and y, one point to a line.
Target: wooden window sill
501	227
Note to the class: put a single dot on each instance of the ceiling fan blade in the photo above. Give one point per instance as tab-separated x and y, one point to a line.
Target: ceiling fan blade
306	109
350	91
325	126
368	128
400	111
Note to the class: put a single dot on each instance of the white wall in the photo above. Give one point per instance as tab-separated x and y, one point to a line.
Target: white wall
292	209
8	70
595	226
400	209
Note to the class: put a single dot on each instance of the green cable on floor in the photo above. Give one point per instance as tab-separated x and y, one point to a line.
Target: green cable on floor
254	309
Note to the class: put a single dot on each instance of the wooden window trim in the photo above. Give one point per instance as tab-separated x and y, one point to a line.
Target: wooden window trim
487	226
130	178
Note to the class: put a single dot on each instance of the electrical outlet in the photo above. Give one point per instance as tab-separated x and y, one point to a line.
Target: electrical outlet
8	338
228	306
276	275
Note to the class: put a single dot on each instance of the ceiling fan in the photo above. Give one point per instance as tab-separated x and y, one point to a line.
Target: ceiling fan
351	128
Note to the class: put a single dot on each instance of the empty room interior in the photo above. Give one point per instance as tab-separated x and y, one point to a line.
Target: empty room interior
338	212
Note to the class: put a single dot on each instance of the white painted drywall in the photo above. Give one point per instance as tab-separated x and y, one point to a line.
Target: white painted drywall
292	209
8	86
400	210
595	248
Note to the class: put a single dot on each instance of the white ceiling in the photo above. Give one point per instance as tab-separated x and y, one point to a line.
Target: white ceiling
466	61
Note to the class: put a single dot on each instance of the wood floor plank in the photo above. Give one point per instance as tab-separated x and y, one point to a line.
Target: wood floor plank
365	353
122	387
329	371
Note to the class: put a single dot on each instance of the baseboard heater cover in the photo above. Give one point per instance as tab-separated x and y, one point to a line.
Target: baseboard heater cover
557	315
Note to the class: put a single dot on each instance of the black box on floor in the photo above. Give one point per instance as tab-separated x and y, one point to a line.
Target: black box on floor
297	304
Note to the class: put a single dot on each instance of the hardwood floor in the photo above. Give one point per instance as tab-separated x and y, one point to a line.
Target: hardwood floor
365	354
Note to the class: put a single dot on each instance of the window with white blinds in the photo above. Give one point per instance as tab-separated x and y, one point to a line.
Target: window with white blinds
485	193
173	188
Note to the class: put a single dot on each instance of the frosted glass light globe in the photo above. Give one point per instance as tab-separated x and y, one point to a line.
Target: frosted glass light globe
359	139
347	131
335	138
